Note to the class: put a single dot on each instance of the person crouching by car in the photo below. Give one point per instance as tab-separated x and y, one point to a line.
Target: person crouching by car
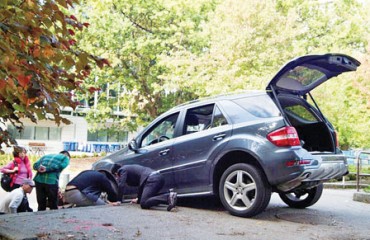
16	201
149	181
86	188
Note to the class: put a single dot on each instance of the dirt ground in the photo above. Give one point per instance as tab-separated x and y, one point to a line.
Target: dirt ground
77	165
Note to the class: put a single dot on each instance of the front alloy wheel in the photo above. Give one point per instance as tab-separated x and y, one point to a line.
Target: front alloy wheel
302	198
243	190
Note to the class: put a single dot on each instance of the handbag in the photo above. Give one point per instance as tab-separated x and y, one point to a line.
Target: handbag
6	180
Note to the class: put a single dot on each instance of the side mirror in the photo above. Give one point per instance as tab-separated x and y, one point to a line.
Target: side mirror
133	146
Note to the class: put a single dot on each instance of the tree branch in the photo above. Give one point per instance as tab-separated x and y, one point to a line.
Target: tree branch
132	21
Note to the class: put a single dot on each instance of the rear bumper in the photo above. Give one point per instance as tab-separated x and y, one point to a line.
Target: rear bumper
323	168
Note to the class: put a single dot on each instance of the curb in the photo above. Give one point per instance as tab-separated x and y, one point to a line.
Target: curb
357	196
361	197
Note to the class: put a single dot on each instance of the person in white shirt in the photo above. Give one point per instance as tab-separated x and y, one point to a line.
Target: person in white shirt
14	199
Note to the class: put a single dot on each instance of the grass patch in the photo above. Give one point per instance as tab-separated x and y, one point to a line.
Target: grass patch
364	169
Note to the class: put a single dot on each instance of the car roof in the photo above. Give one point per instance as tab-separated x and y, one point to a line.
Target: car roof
212	99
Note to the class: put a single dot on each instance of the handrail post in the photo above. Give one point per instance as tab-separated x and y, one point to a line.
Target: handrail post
358	172
358	169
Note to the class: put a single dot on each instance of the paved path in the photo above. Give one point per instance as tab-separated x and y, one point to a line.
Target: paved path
335	216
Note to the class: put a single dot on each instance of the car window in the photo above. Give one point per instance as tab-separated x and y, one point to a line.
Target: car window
259	106
162	131
198	119
299	77
202	118
218	119
300	113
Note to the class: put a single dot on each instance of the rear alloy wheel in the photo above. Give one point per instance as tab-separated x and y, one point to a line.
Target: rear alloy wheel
302	198
244	191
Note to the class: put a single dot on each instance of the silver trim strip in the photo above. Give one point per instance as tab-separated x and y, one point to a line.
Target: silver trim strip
183	165
194	194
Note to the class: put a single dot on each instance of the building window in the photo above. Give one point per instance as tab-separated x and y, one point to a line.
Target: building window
36	133
41	133
107	136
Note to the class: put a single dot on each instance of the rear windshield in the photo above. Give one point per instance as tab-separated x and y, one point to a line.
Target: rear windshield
259	106
300	77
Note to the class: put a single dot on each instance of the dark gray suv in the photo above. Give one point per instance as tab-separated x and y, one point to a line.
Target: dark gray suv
243	147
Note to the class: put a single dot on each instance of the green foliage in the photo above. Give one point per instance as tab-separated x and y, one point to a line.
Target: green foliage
167	52
5	159
163	53
353	169
250	40
135	36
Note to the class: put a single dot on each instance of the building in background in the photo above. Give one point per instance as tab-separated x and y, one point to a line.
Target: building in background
49	137
76	136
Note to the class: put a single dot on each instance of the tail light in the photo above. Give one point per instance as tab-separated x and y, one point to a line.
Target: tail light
292	163
284	137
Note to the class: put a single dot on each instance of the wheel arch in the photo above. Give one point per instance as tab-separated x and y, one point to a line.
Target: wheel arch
230	158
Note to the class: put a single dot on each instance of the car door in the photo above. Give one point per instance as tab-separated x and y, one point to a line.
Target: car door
205	131
155	146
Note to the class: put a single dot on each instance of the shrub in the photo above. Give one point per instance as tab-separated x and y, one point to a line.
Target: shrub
5	158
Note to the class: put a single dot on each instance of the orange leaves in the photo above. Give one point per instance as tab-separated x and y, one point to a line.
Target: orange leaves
36	52
24	80
72	42
73	17
29	101
93	89
30	3
40	59
40	56
71	32
2	83
101	62
48	52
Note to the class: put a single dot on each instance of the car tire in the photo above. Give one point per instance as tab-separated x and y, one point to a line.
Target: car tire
302	198
244	191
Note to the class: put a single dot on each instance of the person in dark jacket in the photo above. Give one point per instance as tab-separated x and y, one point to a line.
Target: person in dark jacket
149	181
86	188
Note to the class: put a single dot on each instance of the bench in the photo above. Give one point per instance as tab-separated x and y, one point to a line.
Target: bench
37	147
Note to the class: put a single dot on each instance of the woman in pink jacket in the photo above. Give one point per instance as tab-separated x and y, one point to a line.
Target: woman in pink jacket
20	167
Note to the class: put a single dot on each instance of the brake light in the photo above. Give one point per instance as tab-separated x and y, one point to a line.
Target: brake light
284	137
336	139
292	163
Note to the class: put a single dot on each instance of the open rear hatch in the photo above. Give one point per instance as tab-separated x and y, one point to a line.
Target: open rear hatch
290	88
303	74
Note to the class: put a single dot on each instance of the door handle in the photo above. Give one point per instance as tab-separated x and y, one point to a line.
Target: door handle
219	137
164	152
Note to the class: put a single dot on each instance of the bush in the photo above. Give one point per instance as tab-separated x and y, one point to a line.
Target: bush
364	169
350	177
5	159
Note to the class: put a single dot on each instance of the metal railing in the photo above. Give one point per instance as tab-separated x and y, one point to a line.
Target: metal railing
359	166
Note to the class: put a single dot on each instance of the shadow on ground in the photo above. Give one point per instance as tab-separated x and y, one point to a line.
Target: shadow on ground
208	203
